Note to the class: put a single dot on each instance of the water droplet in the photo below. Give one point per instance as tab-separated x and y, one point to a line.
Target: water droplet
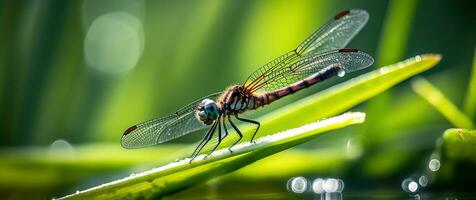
434	164
62	147
297	185
318	186
409	185
423	180
418	58
341	73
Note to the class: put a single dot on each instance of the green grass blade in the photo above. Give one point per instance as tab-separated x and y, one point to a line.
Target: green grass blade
436	98
178	175
460	144
396	30
393	42
470	102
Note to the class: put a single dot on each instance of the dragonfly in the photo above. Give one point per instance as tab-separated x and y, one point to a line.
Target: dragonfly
321	56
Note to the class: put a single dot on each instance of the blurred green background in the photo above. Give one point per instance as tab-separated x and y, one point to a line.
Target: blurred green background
84	71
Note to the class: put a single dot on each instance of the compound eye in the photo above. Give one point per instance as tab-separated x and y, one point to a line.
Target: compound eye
211	109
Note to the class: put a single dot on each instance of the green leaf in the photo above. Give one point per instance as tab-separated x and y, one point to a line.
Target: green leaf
460	144
436	98
470	102
178	175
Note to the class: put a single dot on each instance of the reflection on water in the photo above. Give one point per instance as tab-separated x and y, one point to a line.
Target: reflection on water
318	185
434	164
414	184
409	185
423	180
297	185
327	189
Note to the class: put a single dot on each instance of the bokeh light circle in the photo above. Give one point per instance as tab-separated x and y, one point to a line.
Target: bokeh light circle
114	43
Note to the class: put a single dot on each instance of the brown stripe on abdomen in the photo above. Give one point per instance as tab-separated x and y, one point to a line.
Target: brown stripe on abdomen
323	74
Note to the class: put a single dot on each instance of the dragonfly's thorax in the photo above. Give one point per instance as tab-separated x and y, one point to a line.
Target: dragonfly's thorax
235	99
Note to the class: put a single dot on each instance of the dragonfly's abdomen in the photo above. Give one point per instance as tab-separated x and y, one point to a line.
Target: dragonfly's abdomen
319	76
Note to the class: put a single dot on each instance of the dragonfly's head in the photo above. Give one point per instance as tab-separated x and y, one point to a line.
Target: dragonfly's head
207	111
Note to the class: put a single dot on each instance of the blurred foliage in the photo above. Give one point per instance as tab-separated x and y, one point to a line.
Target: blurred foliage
426	90
460	144
50	89
470	101
391	48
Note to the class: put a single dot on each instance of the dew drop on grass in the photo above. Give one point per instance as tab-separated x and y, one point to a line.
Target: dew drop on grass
62	147
418	58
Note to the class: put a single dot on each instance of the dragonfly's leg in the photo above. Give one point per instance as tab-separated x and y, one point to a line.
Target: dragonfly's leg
250	121
224	126
219	139
205	140
237	131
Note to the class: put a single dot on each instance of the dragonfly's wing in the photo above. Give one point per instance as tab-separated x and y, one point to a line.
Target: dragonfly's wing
336	34
348	59
333	35
163	129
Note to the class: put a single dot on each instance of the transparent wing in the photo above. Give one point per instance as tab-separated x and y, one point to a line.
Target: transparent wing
335	34
163	129
348	60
